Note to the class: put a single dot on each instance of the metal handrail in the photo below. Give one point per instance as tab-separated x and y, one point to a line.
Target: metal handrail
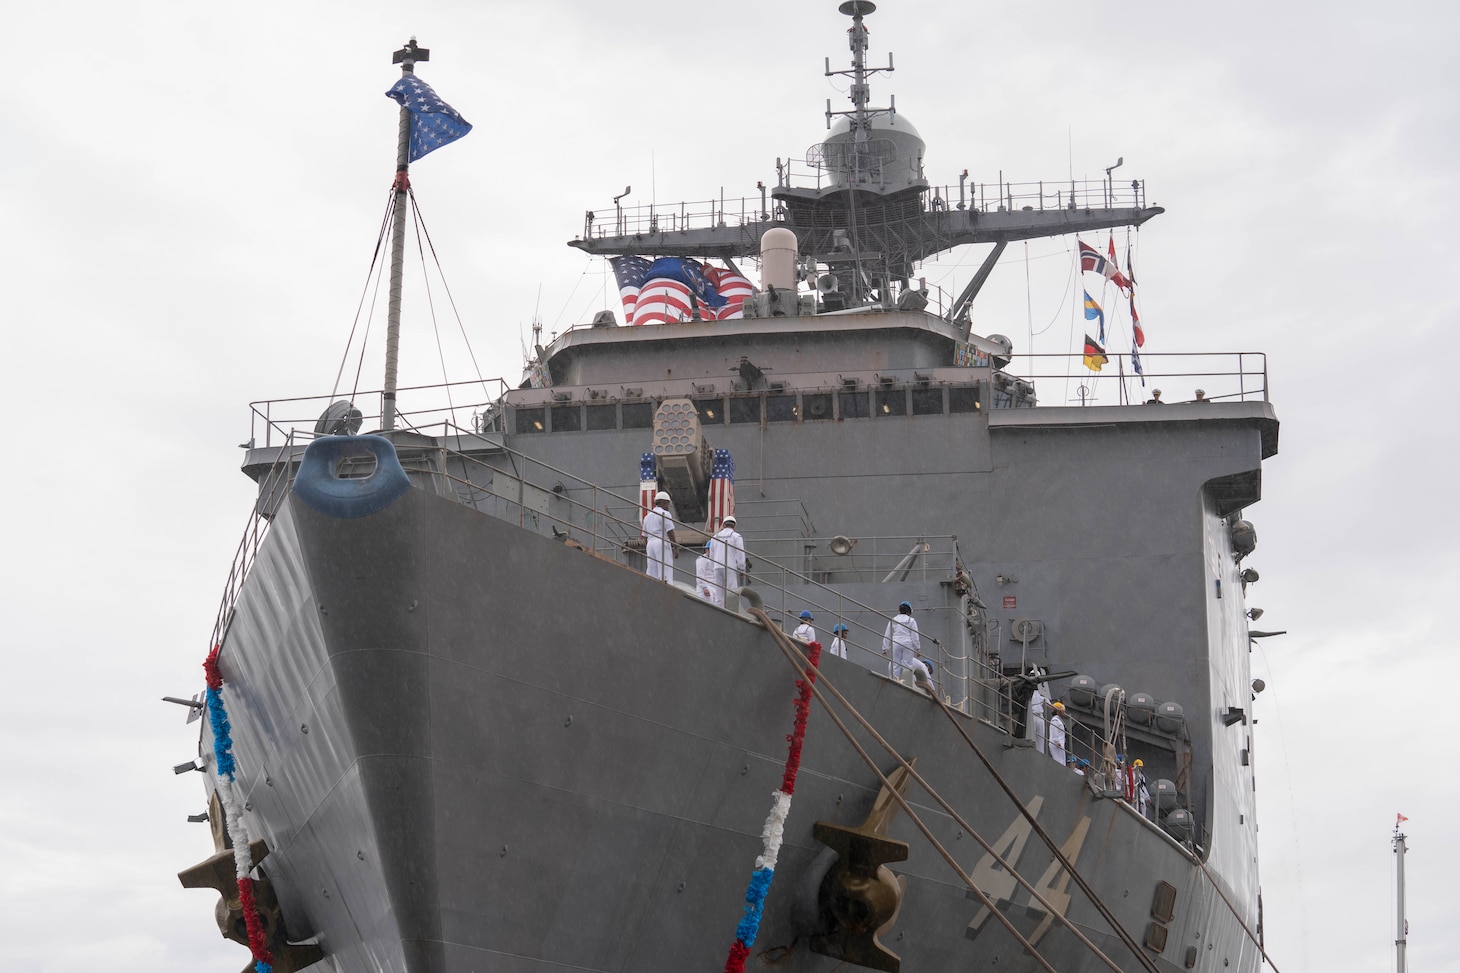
654	218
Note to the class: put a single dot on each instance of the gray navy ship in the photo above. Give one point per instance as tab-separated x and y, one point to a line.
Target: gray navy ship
460	727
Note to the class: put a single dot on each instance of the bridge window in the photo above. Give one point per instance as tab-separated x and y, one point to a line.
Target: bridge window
602	417
963	398
638	415
567	418
817	406
531	421
927	401
745	408
712	411
780	408
891	402
853	405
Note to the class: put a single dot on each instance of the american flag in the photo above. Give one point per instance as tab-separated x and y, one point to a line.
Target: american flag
648	484
664	301
734	287
434	123
722	489
629	272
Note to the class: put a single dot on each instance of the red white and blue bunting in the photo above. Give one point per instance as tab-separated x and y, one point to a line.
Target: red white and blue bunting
233	812
775	824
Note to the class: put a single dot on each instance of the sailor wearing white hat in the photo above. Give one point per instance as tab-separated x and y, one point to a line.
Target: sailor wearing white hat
727	551
1038	703
658	533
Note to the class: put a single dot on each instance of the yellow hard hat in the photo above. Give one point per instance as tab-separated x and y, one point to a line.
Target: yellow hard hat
1139	763
1059	706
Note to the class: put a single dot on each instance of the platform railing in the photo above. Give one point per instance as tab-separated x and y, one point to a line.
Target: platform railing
651	219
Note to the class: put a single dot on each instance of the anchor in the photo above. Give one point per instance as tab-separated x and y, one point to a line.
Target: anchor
220	873
860	897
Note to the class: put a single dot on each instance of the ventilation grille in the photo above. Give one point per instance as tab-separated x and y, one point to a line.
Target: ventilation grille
1164	906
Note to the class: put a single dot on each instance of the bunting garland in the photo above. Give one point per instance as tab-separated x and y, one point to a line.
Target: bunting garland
233	813
775	823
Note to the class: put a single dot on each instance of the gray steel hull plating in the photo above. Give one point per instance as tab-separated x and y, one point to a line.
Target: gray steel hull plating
472	748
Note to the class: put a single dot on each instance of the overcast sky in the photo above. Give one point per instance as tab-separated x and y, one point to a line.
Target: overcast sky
193	196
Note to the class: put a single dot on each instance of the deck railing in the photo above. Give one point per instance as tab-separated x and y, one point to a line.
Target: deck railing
731	211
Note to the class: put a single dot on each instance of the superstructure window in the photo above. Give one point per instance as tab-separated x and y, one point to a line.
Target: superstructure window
780	408
638	415
745	408
927	401
817	406
531	421
890	402
712	411
963	398
602	417
567	418
853	405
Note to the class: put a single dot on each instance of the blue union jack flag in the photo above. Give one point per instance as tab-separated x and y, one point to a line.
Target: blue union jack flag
722	489
434	123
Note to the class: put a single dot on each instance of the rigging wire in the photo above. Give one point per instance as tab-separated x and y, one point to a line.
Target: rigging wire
451	298
365	289
431	306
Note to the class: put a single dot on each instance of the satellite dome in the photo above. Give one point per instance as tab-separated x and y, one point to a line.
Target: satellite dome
889	159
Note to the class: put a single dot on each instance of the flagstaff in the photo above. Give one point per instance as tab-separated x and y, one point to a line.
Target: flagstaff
406	57
426	124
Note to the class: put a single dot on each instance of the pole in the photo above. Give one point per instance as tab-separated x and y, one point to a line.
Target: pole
1401	932
406	57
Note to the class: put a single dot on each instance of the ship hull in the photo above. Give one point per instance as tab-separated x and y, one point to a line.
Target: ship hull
469	747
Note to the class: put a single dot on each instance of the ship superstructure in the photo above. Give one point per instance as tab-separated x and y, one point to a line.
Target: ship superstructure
471	733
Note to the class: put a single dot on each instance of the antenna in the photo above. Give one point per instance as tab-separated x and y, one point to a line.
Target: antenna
1401	934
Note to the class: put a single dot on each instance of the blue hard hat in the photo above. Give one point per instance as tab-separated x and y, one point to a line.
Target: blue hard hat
839	628
806	614
904	606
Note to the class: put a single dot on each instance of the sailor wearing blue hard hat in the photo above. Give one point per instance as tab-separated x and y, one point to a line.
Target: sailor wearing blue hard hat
839	640
804	631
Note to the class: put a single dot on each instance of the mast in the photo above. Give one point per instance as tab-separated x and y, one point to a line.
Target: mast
406	57
1401	933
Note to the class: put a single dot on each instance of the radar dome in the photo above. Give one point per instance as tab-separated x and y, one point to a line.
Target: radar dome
889	159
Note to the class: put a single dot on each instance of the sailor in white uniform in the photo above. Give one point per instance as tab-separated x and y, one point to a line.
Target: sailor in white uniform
1143	793
1057	733
727	552
658	533
839	641
804	632
1038	705
705	585
902	642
